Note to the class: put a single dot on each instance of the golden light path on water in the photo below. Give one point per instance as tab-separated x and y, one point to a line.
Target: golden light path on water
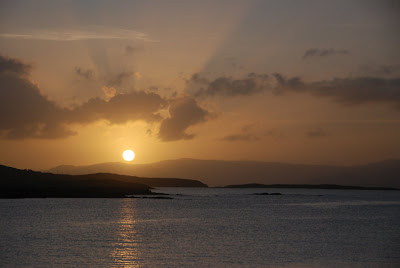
125	253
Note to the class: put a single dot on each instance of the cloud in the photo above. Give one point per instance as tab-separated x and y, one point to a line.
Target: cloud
119	109
380	69
246	133
109	92
87	74
359	90
318	133
184	112
24	111
110	80
228	86
119	78
83	33
13	66
324	52
348	91
240	137
283	83
27	113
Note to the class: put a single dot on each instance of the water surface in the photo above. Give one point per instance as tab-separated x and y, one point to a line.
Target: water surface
205	227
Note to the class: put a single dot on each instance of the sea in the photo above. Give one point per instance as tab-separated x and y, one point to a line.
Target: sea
205	227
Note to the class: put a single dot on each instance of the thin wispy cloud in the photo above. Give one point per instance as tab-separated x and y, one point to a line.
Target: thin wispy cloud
85	33
318	133
323	52
240	137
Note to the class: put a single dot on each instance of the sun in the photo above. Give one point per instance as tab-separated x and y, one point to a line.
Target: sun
128	155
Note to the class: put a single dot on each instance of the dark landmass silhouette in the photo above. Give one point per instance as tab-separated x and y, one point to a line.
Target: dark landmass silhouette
150	197
218	173
309	186
266	194
17	183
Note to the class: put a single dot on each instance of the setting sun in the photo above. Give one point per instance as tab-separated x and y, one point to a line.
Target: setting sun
128	155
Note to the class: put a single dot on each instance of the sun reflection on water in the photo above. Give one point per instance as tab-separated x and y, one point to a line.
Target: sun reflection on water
125	253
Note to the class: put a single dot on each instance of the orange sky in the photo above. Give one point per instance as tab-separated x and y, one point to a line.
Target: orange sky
275	81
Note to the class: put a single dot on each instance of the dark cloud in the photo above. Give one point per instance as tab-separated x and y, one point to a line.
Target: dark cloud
380	69
228	86
119	78
24	111
87	74
27	113
14	66
39	131
240	137
283	83
109	80
318	133
198	79
349	91
359	90
317	52
184	112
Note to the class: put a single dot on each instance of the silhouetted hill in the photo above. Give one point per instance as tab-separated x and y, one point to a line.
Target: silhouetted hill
16	183
217	173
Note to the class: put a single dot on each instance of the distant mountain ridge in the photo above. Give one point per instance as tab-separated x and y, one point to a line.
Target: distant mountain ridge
220	173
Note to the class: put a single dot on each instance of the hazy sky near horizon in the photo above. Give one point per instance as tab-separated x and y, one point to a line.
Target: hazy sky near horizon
287	81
